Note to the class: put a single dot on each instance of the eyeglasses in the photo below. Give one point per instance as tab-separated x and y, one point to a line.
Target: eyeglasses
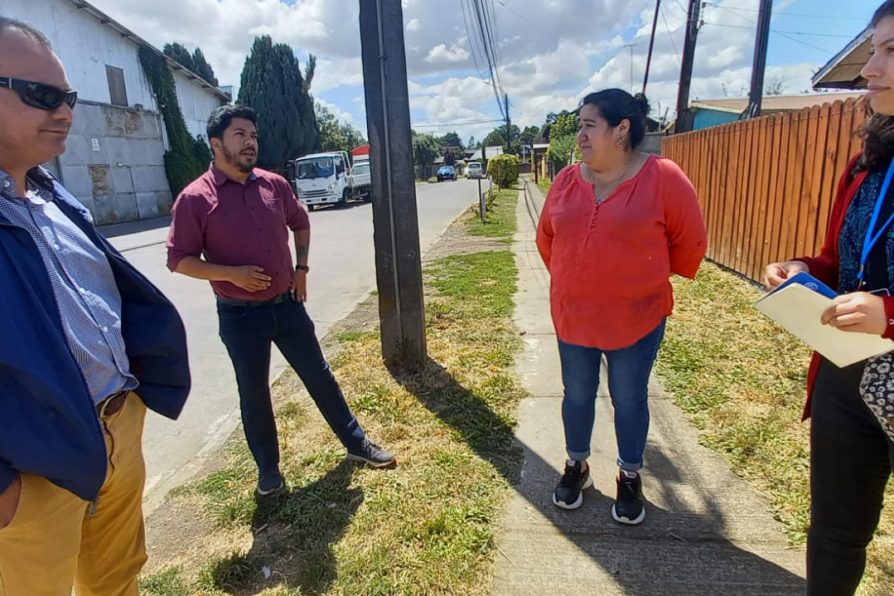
40	95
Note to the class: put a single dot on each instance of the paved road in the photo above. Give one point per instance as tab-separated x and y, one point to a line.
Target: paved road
342	273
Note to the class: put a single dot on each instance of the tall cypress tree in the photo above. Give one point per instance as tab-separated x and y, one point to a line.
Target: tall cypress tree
202	68
272	84
180	54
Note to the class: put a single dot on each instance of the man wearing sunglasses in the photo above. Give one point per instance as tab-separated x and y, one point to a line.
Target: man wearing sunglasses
86	344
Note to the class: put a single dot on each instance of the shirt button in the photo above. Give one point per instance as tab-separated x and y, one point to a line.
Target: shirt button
82	290
890	321
105	329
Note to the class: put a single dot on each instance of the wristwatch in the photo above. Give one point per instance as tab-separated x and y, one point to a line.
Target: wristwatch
304	268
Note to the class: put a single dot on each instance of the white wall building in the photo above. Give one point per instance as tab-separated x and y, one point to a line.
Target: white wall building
114	160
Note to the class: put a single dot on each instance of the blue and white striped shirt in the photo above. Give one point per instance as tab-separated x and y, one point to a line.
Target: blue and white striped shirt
83	284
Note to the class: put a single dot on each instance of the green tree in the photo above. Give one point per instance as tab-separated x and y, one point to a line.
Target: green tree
180	54
497	137
451	139
562	140
529	135
272	84
334	135
425	150
202	68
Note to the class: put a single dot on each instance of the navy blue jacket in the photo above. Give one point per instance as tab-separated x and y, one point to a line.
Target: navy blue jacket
48	422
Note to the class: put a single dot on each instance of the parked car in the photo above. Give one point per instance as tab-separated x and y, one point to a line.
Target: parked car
446	173
474	170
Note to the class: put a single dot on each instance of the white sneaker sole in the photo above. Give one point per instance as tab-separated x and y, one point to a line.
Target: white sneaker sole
580	497
272	491
369	462
626	520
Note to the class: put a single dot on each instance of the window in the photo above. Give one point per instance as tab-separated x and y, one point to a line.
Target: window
117	89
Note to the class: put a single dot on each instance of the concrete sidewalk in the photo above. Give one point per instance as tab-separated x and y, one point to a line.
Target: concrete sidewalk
706	531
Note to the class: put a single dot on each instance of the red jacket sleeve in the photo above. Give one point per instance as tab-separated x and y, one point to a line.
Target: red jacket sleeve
686	236
545	230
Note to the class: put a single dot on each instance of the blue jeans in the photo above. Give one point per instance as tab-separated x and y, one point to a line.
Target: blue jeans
628	380
248	332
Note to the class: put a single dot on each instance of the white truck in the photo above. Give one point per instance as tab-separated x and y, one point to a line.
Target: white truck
328	178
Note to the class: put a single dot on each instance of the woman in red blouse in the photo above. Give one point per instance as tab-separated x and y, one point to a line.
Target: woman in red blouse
614	228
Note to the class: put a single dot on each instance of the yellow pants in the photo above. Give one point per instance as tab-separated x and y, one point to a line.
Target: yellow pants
57	540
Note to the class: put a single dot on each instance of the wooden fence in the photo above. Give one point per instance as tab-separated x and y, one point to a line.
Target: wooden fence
766	185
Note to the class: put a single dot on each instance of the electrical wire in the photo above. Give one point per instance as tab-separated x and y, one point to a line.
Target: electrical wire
669	33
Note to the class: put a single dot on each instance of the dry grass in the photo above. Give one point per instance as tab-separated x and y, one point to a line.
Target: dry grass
425	527
742	381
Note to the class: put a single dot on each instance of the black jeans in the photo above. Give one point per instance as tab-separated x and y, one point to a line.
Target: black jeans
850	461
247	332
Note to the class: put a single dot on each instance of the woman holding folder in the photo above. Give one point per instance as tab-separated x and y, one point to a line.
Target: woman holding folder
852	408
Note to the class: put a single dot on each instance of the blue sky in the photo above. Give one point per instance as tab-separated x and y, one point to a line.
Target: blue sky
551	52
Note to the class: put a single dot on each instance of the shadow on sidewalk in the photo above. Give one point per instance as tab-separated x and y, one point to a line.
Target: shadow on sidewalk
293	532
680	552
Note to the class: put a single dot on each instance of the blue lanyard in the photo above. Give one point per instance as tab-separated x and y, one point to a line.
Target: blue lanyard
872	238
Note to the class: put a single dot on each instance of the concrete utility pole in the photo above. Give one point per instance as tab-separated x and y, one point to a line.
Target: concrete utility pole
684	115
395	222
508	122
762	40
651	45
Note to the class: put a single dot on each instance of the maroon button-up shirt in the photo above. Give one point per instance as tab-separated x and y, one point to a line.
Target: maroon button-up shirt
229	223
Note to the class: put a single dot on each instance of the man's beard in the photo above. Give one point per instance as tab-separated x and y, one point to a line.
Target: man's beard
236	160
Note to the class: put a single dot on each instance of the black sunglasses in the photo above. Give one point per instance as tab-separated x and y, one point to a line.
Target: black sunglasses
40	95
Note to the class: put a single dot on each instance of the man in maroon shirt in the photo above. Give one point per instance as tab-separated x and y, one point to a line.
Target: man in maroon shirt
230	226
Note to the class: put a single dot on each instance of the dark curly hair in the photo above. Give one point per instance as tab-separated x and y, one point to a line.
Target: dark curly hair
877	132
616	104
220	118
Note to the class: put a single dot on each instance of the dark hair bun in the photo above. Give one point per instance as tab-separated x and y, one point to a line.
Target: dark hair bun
642	103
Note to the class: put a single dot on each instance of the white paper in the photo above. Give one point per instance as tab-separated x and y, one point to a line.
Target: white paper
798	310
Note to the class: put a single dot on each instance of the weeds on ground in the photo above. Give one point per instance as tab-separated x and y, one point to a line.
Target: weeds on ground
742	381
499	219
425	527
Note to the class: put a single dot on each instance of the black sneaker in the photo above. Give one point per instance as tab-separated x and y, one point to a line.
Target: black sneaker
269	483
568	494
372	455
628	508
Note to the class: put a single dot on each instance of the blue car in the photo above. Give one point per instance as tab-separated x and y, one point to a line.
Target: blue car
446	173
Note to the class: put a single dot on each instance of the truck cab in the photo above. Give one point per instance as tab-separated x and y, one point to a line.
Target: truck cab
325	179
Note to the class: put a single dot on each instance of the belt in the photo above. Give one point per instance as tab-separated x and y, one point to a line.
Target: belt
277	300
111	404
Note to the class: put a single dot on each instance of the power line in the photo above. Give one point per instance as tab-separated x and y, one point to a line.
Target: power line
783	32
458	123
484	34
519	15
669	34
789	37
790	14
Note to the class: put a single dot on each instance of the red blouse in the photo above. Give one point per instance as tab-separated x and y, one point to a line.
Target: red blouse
610	263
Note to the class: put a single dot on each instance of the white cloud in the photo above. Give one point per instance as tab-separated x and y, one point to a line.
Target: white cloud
550	52
441	54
